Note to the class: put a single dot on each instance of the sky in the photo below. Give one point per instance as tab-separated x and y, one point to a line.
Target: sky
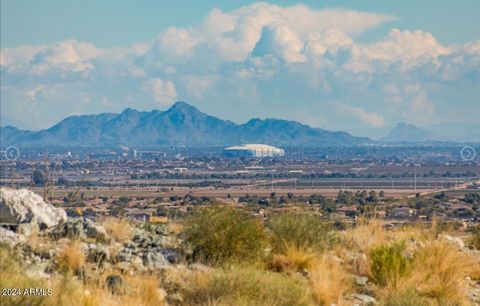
357	66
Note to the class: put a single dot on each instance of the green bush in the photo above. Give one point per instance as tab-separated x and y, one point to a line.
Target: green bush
220	234
408	297
299	231
247	286
388	263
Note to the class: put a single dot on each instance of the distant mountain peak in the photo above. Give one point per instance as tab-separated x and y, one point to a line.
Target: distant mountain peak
407	132
183	107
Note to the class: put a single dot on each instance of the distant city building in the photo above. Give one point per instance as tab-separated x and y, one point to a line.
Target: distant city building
253	150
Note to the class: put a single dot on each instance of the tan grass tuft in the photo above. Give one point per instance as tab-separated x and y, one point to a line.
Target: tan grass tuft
293	260
329	282
439	272
118	229
70	257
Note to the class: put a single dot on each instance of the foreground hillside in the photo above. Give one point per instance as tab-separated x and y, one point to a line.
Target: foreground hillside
221	255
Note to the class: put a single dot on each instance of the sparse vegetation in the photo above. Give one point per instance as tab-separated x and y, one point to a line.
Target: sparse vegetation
246	286
235	257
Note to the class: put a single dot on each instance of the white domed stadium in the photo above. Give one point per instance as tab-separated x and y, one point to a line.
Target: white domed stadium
253	150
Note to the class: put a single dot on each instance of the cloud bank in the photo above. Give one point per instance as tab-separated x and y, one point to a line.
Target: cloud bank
259	60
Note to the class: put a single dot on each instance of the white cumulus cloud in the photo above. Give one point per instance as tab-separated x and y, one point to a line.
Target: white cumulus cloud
162	91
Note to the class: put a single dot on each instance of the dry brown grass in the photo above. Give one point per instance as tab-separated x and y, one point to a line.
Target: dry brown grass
439	272
144	291
329	281
174	228
70	257
366	236
118	229
293	260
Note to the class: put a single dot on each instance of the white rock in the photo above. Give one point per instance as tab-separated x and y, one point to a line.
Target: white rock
25	206
9	237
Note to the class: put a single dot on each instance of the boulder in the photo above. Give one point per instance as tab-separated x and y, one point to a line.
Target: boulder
25	206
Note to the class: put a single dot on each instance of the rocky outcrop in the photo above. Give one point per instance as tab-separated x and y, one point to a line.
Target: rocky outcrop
80	228
25	206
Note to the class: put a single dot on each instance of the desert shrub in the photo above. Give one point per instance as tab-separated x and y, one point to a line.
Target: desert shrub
388	263
406	297
118	229
329	282
219	234
439	272
300	231
246	286
70	258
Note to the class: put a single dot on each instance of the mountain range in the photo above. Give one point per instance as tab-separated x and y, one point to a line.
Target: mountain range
180	125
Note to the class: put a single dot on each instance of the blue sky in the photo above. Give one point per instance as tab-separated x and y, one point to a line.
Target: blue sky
117	23
359	66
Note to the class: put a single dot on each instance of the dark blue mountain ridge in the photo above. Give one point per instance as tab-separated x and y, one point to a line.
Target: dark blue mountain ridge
180	125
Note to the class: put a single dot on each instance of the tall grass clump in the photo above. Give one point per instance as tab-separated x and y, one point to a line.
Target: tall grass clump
221	234
299	231
367	235
388	264
439	272
244	286
329	281
293	259
70	258
118	229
